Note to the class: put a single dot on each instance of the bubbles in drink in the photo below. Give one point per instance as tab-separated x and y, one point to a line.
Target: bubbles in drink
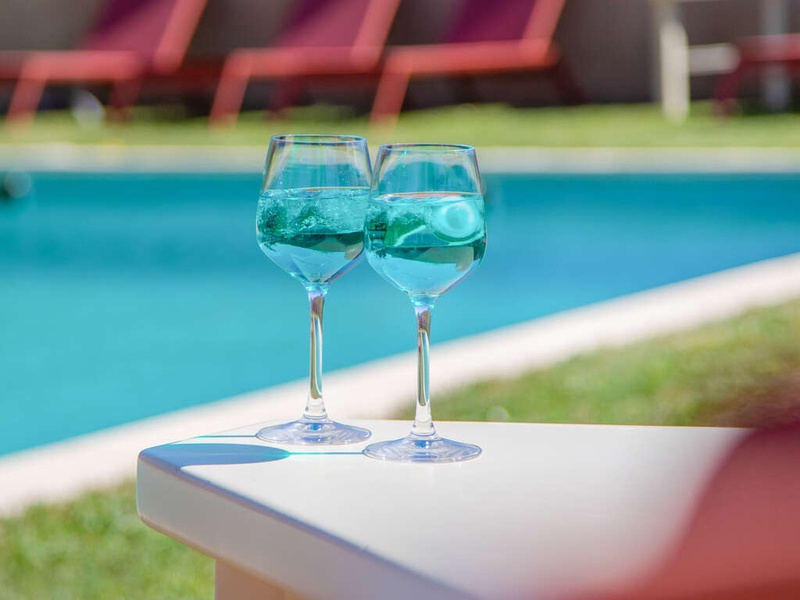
314	234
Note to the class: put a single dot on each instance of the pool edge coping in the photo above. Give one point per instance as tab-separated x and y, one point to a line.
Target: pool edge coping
78	158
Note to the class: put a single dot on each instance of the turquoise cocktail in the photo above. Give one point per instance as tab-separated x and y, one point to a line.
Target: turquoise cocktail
425	231
426	243
310	223
315	235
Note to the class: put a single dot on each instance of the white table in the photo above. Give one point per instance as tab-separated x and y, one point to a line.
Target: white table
677	60
545	511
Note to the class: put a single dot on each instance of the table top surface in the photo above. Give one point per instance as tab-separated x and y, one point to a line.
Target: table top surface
545	511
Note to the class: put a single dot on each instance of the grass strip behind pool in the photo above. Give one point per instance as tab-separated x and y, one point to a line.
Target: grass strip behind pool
619	125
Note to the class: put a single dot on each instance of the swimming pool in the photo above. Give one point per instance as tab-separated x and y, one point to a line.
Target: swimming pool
124	296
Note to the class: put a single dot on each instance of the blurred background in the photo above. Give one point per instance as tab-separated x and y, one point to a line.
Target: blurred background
611	47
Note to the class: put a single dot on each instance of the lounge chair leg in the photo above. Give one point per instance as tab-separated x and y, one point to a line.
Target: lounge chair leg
25	100
389	97
727	90
123	97
230	93
228	102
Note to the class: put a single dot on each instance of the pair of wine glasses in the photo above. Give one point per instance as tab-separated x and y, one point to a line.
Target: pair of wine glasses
419	217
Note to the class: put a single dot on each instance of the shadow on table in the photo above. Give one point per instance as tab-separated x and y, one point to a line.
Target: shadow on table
220	453
191	454
743	540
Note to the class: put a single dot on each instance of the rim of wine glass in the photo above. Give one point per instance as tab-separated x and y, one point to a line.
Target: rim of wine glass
428	146
312	139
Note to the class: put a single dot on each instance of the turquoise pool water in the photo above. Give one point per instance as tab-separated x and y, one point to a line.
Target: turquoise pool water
124	296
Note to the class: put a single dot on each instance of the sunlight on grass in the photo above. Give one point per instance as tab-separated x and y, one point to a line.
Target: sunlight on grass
715	375
96	547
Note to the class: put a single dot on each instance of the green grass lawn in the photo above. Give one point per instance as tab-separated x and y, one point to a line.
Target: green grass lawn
745	371
741	372
97	548
634	125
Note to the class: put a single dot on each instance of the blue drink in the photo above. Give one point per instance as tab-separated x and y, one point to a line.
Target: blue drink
314	234
310	222
425	231
425	243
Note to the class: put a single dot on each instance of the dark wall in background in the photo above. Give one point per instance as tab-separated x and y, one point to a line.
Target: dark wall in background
607	43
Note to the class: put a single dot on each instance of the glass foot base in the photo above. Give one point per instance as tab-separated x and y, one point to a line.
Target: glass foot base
415	448
308	431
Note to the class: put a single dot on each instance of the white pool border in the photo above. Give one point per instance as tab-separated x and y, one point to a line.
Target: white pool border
249	159
377	389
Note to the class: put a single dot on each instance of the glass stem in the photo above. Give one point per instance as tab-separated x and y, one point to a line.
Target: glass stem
423	423
315	407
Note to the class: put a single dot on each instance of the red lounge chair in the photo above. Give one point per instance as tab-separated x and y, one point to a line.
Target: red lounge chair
129	40
756	53
323	37
489	36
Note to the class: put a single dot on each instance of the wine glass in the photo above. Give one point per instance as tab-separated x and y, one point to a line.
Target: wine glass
425	231
310	223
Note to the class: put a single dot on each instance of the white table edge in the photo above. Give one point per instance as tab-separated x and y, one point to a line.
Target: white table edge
402	582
